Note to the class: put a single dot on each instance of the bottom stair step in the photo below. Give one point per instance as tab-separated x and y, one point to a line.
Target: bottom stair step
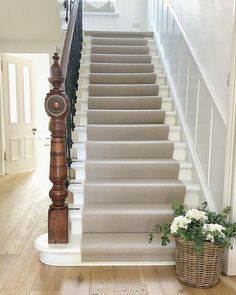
125	247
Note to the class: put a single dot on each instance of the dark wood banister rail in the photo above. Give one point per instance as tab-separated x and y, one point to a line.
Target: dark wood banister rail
60	107
68	39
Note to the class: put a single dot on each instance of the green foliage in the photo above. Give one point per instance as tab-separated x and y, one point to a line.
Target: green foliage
198	230
178	209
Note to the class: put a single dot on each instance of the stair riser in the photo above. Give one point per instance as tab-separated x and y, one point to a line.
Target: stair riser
119	58
88	50
80	135
122	222
155	59
133	195
170	119
118	34
165	105
83	92
87	41
126	151
123	90
79	152
76	225
130	171
129	195
85	69
160	80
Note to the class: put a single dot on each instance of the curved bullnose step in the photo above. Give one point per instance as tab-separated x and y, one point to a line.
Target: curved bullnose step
123	89
125	247
121	58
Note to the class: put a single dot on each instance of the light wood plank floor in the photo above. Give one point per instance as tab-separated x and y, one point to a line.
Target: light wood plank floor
23	216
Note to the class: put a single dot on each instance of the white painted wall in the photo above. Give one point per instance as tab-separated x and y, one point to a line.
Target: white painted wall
132	17
35	21
2	136
201	115
208	26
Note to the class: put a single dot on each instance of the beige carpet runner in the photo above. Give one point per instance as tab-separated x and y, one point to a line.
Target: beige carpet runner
131	176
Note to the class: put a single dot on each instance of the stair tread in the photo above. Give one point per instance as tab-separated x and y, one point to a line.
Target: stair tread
127	208
134	182
116	46
123	85
132	161
129	97
117	38
124	74
126	111
129	125
128	142
118	54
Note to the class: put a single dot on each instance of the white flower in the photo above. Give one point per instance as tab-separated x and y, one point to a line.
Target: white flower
210	238
196	214
179	222
212	227
212	230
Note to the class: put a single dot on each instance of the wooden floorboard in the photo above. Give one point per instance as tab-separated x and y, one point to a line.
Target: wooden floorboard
23	216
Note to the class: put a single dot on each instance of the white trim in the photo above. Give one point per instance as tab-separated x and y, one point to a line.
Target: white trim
210	146
230	156
197	112
187	90
2	131
29	47
70	254
184	125
213	93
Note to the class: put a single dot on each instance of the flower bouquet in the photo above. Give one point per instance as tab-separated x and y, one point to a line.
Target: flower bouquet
201	237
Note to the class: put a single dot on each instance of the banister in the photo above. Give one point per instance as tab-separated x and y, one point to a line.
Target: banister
69	36
60	107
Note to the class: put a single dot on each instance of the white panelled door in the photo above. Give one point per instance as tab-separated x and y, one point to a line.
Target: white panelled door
19	114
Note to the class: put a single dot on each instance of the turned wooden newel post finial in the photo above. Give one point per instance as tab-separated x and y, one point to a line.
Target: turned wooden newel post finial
57	108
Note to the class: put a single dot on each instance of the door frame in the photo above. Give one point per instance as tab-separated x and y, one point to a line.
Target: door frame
229	197
18	48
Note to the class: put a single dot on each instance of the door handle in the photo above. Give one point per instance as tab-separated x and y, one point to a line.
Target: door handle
34	130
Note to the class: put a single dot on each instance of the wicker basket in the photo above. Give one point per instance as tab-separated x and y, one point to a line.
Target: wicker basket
199	271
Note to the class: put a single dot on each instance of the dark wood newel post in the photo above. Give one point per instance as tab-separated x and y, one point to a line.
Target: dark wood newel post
57	108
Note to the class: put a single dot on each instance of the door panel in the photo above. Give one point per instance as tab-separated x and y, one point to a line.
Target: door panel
19	114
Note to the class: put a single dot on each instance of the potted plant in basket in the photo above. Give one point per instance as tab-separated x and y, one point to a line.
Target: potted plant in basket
201	237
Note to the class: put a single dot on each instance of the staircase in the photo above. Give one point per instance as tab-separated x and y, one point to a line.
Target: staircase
129	161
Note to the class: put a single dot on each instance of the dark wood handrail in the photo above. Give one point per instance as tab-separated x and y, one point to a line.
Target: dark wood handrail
68	39
60	107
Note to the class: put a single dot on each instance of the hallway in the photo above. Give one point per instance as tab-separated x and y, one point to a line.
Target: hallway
23	217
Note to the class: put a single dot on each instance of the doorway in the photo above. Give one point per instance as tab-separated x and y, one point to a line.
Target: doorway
24	122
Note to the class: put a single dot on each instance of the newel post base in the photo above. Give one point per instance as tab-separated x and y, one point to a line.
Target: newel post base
58	226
